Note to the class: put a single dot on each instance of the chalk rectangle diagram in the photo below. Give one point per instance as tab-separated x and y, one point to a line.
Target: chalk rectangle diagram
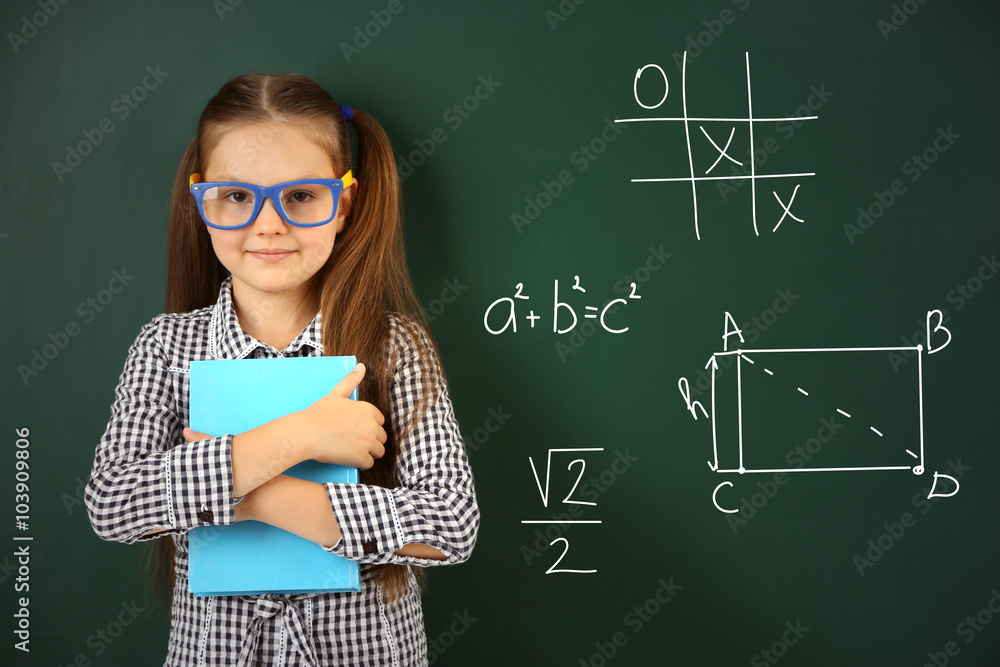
817	410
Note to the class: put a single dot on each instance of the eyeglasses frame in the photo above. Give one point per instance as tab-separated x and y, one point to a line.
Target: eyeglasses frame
262	192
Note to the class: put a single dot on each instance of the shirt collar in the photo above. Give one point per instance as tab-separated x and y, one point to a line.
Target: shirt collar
228	340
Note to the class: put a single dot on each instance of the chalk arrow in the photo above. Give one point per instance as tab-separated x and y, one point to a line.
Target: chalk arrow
715	445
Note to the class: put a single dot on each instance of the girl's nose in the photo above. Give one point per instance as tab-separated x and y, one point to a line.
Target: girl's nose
268	221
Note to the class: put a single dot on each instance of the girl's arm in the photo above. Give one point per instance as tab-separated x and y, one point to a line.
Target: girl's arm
434	507
303	508
431	518
146	479
296	505
335	429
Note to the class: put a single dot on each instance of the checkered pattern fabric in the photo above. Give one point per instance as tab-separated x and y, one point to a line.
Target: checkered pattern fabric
147	478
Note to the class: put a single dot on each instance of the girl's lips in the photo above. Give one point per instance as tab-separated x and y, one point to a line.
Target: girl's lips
271	255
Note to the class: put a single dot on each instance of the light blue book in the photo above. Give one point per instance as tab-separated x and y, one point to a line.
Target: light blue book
250	557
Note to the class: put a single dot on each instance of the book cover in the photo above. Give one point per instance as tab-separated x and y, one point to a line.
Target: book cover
250	557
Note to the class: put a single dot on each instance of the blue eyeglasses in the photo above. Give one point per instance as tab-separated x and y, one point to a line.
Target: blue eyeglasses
305	203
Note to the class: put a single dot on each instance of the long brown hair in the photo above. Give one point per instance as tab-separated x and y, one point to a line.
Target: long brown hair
366	276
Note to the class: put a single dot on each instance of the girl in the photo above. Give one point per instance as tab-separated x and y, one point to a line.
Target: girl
309	268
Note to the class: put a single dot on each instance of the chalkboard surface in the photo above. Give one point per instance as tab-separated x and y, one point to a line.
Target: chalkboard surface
723	231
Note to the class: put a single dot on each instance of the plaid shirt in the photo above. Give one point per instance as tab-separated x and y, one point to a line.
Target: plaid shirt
147	478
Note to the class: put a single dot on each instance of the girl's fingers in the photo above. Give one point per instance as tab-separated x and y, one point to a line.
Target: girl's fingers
193	436
346	387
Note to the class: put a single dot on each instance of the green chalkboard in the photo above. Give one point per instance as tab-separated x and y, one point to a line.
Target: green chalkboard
799	176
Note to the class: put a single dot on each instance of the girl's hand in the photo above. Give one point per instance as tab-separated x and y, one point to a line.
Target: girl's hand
336	429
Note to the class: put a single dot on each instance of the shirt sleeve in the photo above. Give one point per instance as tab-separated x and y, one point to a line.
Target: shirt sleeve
145	477
435	503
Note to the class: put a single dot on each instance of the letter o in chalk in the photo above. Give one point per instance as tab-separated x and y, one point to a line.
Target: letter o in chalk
716	502
635	85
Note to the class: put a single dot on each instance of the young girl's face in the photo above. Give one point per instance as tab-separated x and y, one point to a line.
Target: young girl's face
270	256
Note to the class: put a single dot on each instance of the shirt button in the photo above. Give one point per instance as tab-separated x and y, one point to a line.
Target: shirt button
206	516
369	547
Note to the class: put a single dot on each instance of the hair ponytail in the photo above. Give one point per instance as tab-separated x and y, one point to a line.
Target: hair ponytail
366	278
